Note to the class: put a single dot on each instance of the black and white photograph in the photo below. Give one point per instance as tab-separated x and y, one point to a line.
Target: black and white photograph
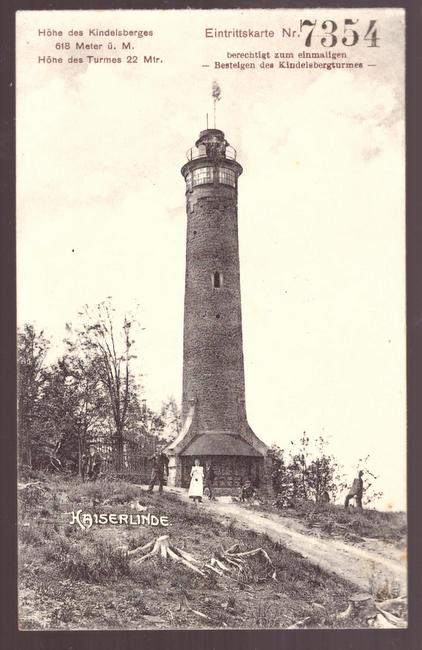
211	312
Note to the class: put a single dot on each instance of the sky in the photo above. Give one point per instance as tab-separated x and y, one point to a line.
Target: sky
101	210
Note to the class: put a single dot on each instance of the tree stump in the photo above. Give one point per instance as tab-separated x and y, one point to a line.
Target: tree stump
162	547
222	562
361	606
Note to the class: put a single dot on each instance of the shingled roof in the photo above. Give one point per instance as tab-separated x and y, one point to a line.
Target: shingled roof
219	444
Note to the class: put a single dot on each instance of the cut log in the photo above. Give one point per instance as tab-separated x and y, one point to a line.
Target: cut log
396	606
395	621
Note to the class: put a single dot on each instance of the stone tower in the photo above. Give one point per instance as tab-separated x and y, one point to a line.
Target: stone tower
214	422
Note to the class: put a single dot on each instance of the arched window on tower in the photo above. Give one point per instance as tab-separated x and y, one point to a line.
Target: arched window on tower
217	280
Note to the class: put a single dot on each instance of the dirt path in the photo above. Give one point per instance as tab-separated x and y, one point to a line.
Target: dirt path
373	561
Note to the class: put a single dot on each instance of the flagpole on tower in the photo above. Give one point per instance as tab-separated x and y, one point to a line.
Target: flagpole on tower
216	95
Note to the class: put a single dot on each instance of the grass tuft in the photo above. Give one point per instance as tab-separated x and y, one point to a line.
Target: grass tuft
95	562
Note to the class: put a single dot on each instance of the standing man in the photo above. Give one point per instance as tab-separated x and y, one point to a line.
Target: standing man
356	491
160	467
91	464
209	478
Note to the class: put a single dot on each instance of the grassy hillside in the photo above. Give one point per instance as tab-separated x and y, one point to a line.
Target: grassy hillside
80	579
353	524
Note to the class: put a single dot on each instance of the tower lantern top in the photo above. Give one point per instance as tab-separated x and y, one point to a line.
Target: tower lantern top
211	144
211	135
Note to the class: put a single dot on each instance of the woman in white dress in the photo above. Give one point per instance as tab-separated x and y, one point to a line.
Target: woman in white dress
196	487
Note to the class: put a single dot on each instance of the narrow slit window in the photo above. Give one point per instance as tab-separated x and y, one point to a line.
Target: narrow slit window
217	280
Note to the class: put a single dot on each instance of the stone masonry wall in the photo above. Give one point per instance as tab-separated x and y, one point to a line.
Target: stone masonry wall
213	355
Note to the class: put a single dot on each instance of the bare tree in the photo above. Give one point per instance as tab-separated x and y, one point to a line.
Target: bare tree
110	348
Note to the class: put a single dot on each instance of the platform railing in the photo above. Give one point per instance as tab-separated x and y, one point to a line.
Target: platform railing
200	152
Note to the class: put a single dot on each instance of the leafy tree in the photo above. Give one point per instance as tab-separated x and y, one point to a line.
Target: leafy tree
75	402
55	420
281	477
145	426
278	468
298	468
324	474
32	376
91	391
172	419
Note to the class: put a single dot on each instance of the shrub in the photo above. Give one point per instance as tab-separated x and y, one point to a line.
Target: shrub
31	498
309	472
304	476
36	534
382	589
92	563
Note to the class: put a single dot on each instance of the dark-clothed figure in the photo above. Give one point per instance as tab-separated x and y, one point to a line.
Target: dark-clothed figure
356	491
160	471
91	464
248	491
325	497
209	478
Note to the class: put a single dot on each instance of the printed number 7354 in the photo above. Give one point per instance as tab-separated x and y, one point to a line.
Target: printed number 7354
331	36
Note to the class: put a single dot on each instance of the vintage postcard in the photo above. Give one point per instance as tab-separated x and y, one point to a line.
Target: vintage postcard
211	319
